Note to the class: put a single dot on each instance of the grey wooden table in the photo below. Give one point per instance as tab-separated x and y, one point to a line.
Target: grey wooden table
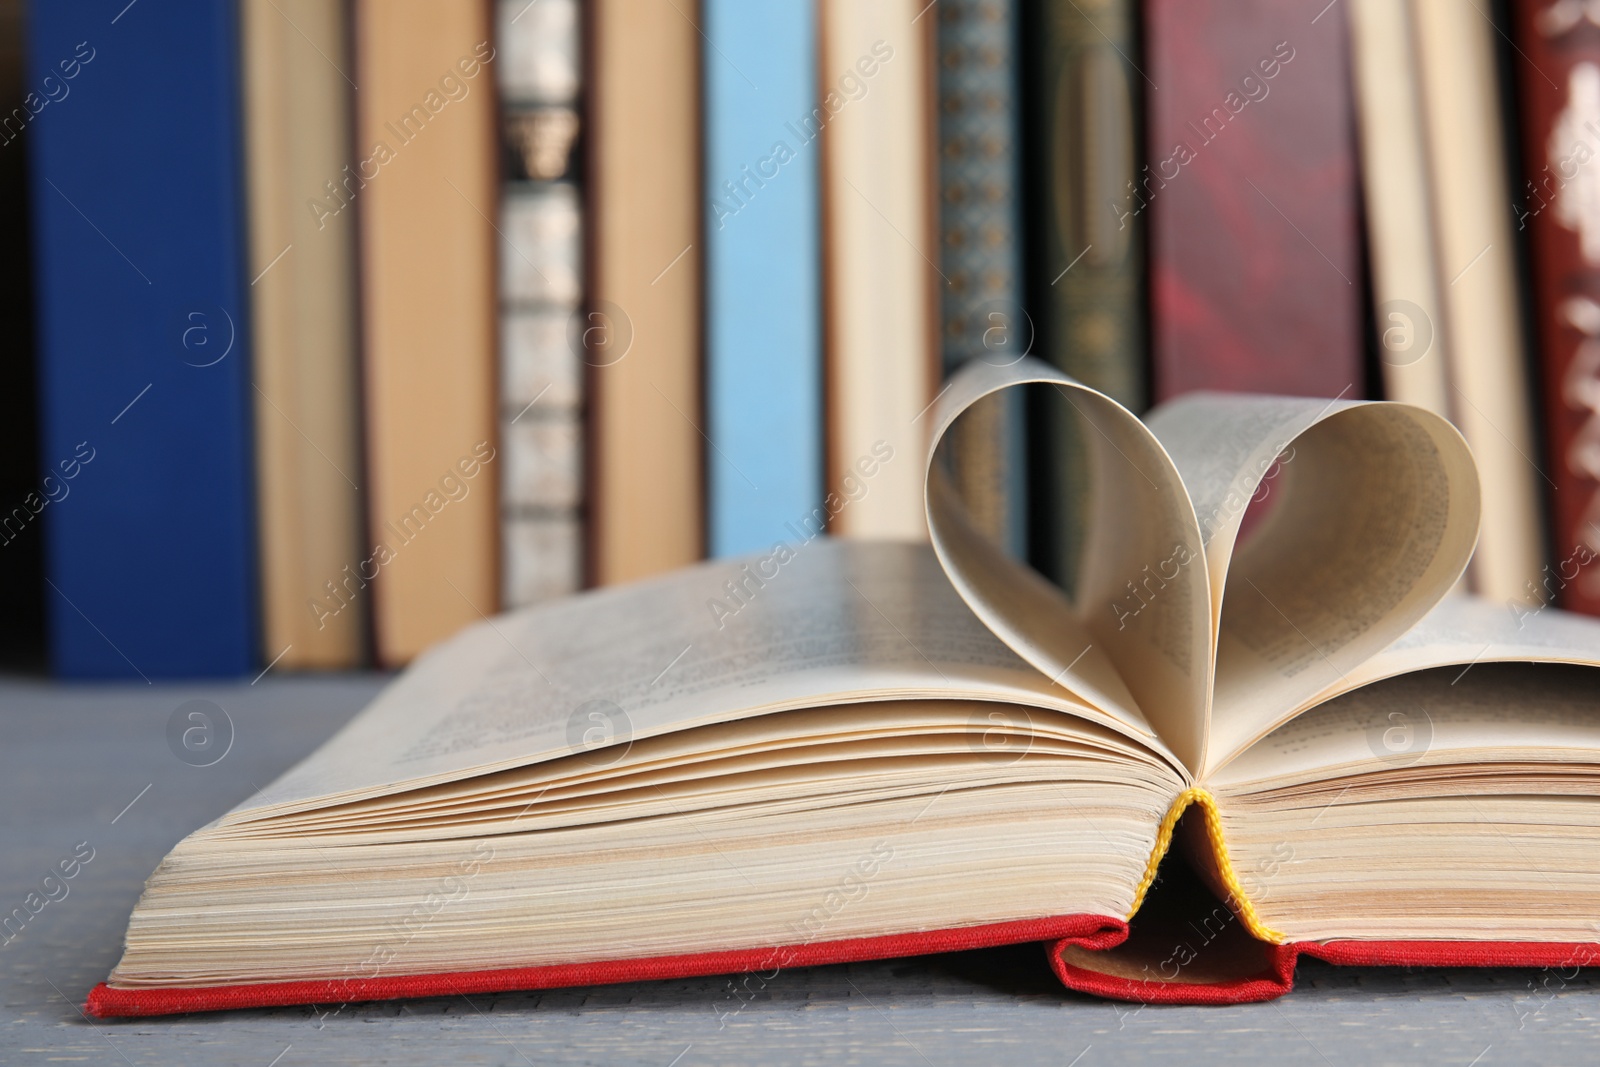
92	764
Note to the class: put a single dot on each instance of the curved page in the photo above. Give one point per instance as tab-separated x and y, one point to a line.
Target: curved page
1467	630
824	623
1404	733
1374	511
1137	642
1462	633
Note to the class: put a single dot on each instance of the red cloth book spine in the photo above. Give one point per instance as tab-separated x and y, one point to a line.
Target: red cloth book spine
1275	975
1091	931
1258	972
1250	189
1558	91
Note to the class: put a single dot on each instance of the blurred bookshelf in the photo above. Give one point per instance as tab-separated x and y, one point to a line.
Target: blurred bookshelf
544	308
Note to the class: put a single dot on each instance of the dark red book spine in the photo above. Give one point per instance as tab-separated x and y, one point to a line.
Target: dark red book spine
1251	195
1558	88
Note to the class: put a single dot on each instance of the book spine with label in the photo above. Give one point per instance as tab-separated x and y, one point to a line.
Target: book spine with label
425	184
641	335
1559	100
981	312
1249	191
146	489
303	318
541	379
763	273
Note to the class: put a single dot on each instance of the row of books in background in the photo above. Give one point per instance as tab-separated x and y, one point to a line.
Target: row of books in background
356	324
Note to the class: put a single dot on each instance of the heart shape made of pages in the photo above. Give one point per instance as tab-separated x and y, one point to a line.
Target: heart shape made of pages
1177	624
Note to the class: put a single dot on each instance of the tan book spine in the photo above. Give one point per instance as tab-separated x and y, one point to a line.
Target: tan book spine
427	190
642	346
1476	274
1394	173
880	257
302	260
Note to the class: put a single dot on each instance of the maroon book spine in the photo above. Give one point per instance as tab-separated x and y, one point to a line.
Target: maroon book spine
1558	89
1250	189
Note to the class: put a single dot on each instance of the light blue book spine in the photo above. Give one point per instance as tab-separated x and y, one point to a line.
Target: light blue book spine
763	264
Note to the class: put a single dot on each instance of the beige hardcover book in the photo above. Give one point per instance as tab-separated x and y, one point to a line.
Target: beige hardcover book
426	186
880	256
1476	276
302	260
642	342
1400	232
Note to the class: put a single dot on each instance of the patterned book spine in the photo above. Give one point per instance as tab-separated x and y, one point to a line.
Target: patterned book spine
541	380
1559	209
1087	279
1086	93
1250	195
980	254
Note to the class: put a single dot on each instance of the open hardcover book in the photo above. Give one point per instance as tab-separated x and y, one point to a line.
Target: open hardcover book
838	751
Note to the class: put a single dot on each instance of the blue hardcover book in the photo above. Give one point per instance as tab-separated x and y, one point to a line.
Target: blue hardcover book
763	285
146	490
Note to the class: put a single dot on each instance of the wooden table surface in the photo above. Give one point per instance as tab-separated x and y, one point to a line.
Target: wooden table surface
92	764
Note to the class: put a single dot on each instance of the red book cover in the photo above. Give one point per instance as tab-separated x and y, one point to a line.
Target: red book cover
1163	957
1249	189
1183	945
758	966
1558	89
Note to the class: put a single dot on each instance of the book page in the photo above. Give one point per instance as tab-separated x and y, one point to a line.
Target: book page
1465	629
1495	713
1433	805
1137	641
823	623
800	738
1373	510
1461	633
